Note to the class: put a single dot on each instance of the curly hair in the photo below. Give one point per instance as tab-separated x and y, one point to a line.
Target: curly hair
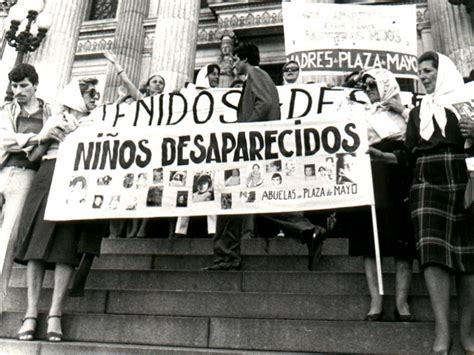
24	71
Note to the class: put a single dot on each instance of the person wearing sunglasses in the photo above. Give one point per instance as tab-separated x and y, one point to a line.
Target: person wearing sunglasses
291	72
386	128
55	245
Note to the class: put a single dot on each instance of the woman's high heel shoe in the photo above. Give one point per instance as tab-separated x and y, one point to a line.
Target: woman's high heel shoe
54	336
375	317
27	335
403	317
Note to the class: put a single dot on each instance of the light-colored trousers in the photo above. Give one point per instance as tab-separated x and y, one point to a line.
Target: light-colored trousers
14	186
183	222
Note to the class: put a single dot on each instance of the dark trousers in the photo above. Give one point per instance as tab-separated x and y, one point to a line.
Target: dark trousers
230	228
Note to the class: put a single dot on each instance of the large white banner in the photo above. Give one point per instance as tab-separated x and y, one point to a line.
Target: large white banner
341	38
129	164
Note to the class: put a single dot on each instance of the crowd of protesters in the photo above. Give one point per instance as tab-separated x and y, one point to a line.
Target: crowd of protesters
419	178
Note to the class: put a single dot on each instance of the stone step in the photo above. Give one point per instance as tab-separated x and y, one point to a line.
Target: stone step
224	304
11	346
336	263
316	282
203	246
240	333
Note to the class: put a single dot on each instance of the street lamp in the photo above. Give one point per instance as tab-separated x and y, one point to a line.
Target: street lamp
28	39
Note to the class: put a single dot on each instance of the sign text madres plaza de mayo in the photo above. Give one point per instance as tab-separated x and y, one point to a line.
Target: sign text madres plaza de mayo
183	154
341	38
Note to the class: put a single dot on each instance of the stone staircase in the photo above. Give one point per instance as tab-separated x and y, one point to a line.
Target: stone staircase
147	296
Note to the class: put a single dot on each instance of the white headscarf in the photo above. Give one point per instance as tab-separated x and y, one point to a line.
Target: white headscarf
432	105
71	97
202	80
387	86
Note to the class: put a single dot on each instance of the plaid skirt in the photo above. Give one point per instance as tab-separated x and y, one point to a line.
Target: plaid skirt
443	230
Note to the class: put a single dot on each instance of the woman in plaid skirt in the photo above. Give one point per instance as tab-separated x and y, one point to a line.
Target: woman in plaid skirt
434	143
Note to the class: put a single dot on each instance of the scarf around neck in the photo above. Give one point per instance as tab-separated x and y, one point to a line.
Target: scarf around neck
433	105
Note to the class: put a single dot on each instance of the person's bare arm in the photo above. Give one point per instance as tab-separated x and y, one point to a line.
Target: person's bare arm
132	89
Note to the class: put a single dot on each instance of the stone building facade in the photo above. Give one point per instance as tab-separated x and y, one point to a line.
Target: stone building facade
177	37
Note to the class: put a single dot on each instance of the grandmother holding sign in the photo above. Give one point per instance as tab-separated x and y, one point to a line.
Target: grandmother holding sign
55	245
444	232
386	128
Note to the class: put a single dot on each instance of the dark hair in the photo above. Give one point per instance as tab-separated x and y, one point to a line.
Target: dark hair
212	67
151	77
24	71
276	175
205	179
288	63
249	52
433	56
236	82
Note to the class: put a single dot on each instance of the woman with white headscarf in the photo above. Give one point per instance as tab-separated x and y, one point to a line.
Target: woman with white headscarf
60	245
444	235
386	128
208	77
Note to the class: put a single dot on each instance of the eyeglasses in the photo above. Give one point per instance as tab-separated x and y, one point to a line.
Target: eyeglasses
369	85
93	93
290	70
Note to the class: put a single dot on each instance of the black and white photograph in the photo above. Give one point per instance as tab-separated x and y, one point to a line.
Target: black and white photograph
154	197
237	177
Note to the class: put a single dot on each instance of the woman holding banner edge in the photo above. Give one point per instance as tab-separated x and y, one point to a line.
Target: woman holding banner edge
58	245
444	232
386	128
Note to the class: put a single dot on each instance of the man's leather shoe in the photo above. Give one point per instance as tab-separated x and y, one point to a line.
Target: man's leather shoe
223	267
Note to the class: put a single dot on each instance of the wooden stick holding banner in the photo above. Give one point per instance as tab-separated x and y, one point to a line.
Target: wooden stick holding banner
377	249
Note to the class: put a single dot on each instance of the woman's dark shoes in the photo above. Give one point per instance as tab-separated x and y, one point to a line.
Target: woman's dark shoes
54	336
29	334
374	317
403	317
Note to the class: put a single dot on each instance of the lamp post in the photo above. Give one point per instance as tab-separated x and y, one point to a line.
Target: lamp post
28	39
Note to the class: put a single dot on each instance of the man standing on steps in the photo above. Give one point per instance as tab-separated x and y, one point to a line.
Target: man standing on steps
259	102
21	129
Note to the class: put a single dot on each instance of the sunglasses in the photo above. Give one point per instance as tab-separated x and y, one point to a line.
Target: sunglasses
93	93
291	70
369	85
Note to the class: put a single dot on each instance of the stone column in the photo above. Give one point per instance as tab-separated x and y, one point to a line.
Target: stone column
55	56
128	45
453	33
174	46
226	60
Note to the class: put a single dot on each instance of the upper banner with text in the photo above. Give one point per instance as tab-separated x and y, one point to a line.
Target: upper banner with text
341	38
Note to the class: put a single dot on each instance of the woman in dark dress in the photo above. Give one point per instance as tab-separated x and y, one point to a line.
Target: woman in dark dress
47	245
386	130
434	144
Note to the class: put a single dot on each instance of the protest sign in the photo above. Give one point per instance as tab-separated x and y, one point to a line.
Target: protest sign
129	168
342	38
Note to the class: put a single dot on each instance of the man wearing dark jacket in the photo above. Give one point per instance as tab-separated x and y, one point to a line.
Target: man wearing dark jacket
259	102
